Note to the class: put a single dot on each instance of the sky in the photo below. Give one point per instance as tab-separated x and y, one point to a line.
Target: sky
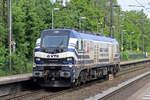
64	1
138	5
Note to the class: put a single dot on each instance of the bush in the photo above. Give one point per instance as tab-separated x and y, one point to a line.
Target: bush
131	55
20	64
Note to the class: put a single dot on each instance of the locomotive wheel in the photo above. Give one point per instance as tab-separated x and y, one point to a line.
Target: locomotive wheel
105	77
75	84
114	72
86	76
79	81
89	77
82	77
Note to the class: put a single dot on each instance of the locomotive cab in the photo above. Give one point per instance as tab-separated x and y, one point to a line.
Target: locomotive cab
53	61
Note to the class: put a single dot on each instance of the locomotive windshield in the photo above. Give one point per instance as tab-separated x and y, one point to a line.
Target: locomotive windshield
55	39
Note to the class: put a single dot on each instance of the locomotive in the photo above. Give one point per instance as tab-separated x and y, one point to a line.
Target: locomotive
65	58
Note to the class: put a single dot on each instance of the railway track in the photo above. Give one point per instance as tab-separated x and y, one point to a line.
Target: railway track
132	69
46	95
20	97
129	88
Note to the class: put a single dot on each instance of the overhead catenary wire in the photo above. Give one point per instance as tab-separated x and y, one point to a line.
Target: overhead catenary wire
142	2
138	2
131	2
146	1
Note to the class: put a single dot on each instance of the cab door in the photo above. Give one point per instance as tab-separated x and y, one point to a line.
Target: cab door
111	52
96	53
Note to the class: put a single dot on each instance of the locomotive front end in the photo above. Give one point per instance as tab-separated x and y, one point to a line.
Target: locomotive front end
53	64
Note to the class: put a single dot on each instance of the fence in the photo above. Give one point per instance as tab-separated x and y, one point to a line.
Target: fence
124	56
18	66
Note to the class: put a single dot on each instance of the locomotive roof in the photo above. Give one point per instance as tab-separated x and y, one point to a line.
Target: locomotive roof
75	34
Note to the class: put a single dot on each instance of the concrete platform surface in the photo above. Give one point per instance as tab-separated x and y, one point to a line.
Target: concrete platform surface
133	61
15	78
141	94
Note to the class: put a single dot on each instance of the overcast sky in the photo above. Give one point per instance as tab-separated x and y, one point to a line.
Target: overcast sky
125	5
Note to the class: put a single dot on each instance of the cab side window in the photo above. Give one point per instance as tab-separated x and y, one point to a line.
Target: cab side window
77	45
81	44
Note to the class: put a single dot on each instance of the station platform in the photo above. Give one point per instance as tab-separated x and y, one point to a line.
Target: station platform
141	94
134	61
24	77
15	78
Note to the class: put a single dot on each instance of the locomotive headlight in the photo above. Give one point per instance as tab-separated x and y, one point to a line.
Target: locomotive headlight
38	59
34	65
70	66
69	59
65	74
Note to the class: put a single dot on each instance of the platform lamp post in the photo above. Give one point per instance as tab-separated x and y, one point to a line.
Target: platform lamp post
80	23
53	9
98	27
138	49
122	40
10	34
142	11
131	41
111	17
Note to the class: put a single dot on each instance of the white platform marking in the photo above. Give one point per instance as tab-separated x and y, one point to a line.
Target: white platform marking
147	96
149	93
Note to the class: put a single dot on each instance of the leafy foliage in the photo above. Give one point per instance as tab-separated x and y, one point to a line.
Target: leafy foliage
30	17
